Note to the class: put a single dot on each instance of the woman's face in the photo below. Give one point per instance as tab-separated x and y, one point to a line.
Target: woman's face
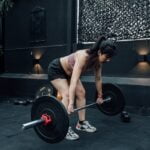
103	58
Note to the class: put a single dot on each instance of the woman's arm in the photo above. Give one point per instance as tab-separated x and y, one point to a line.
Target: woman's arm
79	63
98	80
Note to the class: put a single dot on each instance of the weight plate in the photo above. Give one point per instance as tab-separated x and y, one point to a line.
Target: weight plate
57	130
117	103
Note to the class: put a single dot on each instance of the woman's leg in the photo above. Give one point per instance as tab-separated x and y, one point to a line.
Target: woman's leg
62	87
82	125
80	100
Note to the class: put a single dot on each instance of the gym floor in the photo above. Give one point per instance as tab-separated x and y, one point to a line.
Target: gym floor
112	134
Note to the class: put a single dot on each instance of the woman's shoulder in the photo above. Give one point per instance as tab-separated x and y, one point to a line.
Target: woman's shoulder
81	57
82	53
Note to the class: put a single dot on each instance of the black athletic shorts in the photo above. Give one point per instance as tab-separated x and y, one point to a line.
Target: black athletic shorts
55	70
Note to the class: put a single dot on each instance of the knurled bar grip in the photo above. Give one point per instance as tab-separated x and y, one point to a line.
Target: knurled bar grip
92	104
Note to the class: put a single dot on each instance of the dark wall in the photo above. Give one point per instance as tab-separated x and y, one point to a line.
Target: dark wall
26	32
126	63
22	60
54	37
18	23
1	45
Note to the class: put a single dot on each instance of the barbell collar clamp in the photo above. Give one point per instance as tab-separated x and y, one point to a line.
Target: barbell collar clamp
45	120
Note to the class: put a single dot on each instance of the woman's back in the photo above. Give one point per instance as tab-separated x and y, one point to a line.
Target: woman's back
69	61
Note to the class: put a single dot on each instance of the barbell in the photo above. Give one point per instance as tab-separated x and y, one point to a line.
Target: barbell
50	119
46	119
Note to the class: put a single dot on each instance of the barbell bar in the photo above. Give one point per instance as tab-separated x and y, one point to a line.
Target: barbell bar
108	99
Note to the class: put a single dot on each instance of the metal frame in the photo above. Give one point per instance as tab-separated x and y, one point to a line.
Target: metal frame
77	24
91	42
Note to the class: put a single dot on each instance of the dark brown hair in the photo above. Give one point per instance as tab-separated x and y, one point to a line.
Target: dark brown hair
102	45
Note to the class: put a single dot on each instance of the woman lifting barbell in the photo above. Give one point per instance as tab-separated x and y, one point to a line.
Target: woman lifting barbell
64	74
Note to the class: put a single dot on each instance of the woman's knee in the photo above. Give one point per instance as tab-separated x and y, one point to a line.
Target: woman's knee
80	93
65	99
65	96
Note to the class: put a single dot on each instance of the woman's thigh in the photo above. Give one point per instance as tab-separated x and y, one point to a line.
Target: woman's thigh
61	86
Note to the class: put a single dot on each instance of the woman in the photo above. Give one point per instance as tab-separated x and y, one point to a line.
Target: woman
64	74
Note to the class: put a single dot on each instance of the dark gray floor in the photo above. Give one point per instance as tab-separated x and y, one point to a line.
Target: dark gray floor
112	133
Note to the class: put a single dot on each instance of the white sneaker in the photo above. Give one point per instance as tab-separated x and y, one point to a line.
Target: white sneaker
85	126
71	135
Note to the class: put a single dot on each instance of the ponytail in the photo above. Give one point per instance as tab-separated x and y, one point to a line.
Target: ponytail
94	49
93	53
